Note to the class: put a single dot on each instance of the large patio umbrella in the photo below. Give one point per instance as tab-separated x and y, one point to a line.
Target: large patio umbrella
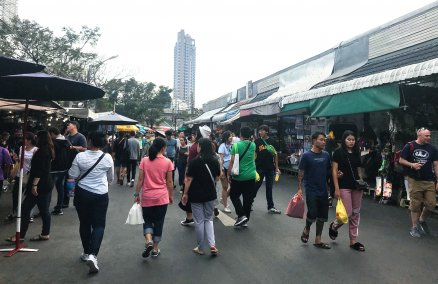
40	87
112	118
11	66
19	105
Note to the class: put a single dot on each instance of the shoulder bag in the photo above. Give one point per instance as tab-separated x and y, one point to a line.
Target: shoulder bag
90	169
360	184
237	158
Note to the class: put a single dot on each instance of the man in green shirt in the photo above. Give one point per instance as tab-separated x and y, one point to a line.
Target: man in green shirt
243	183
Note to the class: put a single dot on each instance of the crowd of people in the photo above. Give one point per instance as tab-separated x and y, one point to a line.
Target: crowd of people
241	164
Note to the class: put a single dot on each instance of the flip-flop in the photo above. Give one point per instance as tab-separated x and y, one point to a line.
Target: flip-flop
322	246
358	246
12	239
304	236
38	238
333	234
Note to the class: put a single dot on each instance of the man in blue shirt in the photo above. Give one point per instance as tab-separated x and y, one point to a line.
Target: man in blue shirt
171	150
314	169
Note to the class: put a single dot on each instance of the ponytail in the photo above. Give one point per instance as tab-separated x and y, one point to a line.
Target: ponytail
158	144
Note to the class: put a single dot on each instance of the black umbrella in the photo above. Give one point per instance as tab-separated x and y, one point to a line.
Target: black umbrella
40	87
11	66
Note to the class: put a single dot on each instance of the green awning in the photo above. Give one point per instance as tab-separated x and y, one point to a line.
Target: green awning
359	101
295	106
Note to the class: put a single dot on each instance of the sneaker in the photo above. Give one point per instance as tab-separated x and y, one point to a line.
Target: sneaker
147	250
198	251
155	253
245	225
57	212
216	212
227	209
92	264
187	222
31	220
274	210
423	228
414	232
84	257
132	183
214	250
240	221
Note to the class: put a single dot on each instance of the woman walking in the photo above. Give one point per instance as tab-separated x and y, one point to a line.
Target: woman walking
345	172
29	150
202	173
39	188
94	171
225	157
181	162
156	186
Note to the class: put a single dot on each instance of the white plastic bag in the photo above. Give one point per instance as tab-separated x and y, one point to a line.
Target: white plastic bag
135	216
236	165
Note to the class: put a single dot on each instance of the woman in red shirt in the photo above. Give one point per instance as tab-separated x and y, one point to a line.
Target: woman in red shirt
156	186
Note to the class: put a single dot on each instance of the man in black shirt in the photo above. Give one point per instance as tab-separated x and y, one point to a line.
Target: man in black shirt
266	165
422	160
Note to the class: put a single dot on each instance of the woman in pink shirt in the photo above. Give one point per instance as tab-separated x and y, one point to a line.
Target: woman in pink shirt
156	186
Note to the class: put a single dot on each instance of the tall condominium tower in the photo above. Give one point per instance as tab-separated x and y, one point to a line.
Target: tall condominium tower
8	10
184	70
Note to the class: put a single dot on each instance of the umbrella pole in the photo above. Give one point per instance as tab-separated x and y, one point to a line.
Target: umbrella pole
20	247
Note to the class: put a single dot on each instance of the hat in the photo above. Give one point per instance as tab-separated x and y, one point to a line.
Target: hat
205	131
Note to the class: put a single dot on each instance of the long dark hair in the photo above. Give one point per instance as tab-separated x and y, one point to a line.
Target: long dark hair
225	136
31	137
44	141
158	144
206	152
356	144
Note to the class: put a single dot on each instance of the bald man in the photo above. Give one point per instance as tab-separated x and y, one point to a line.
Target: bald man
422	160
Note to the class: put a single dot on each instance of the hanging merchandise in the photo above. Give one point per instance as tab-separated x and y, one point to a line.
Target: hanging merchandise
387	192
378	190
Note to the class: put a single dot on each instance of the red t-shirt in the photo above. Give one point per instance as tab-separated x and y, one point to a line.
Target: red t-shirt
154	189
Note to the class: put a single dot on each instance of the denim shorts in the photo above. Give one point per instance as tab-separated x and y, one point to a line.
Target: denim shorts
317	208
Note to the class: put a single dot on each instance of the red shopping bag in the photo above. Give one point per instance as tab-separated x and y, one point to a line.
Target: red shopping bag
295	208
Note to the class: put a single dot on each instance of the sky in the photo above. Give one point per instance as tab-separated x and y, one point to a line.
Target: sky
236	40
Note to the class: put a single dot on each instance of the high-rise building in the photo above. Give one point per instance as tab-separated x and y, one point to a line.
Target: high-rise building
184	70
8	10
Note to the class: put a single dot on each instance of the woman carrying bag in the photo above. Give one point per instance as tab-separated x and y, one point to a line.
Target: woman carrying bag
345	175
93	171
201	177
155	186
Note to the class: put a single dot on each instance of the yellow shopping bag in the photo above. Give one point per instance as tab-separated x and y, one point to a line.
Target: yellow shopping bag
341	213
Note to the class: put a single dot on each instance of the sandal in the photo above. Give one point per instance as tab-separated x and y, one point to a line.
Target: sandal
12	239
40	237
304	236
358	246
322	246
333	234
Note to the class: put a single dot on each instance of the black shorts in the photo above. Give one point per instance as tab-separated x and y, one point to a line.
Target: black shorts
317	208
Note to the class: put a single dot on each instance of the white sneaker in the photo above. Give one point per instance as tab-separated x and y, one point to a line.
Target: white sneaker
227	209
132	183
92	264
84	257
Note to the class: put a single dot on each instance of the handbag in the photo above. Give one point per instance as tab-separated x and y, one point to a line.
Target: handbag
295	208
237	158
135	215
360	184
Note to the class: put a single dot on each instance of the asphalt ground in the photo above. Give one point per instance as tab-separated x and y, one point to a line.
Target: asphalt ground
268	251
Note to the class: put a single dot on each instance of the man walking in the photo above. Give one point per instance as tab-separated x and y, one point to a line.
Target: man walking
314	169
243	183
79	143
60	165
266	165
134	154
422	160
171	151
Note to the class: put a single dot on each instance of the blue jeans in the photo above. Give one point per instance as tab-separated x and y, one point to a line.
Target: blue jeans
154	221
269	176
91	208
58	179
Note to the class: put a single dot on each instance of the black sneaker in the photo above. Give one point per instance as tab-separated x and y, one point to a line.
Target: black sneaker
57	212
187	222
423	228
155	253
147	250
240	221
216	212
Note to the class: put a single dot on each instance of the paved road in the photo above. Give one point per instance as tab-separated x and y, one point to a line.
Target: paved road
269	251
